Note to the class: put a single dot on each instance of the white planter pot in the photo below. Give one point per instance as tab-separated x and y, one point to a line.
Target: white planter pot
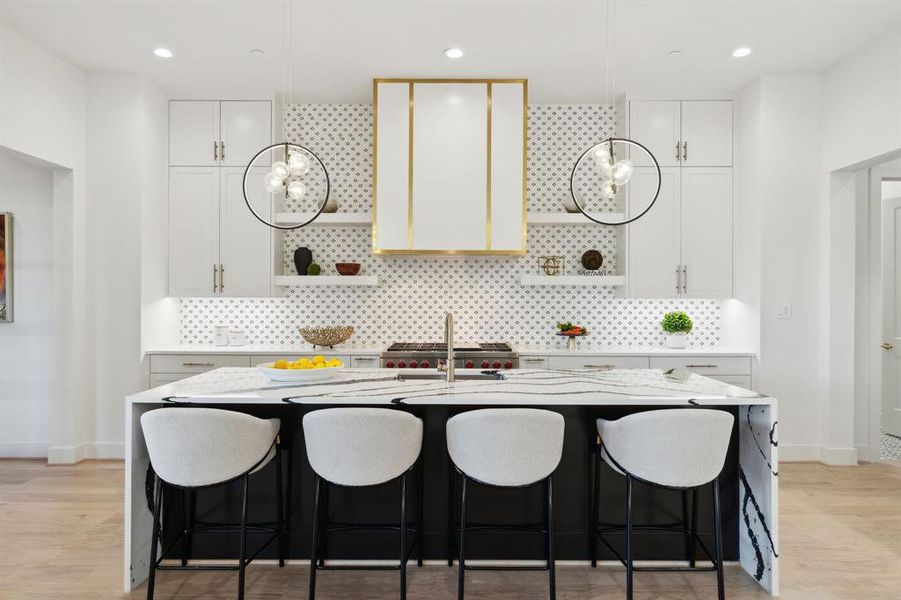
676	340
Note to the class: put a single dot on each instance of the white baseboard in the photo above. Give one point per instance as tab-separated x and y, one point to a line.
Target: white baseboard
69	455
24	449
814	453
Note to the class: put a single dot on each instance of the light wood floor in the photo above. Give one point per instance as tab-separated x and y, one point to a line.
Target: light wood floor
61	538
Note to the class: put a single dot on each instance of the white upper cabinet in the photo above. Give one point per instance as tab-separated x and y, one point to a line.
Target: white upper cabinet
707	133
244	130
193	231
193	133
655	124
449	166
706	230
686	133
217	133
245	244
654	238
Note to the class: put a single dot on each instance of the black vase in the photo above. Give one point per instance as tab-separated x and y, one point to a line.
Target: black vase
303	257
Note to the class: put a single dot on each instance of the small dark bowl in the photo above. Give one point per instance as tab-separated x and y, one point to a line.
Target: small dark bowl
348	268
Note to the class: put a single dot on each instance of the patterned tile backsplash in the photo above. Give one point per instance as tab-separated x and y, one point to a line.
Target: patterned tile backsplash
415	292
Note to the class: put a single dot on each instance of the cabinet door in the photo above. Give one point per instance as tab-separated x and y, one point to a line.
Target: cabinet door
656	125
193	230
707	133
245	244
654	238
193	129
707	232
246	128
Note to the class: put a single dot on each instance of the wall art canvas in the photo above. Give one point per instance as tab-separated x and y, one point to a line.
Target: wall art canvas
6	268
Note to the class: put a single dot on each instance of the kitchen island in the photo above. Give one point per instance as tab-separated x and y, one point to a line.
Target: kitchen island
749	480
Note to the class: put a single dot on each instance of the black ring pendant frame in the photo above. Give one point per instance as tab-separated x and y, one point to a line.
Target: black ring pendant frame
572	191
286	146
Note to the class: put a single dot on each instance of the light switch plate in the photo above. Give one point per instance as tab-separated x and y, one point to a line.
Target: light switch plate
783	310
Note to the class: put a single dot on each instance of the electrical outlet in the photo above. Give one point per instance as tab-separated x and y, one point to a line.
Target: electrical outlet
783	310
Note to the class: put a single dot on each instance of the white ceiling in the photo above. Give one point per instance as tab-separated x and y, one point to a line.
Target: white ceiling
340	45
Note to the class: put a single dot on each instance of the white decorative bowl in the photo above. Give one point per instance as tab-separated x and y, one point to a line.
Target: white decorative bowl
298	375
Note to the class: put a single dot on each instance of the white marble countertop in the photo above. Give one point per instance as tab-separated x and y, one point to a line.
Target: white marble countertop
520	387
350	350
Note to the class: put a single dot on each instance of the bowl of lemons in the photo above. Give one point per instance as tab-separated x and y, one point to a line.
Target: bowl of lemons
318	368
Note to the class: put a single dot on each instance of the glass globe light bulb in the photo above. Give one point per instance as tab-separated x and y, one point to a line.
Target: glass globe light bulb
603	167
298	164
273	182
608	189
280	169
296	190
621	172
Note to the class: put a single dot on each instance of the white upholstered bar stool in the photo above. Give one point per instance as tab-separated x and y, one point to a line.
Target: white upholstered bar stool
506	448
361	447
194	448
678	449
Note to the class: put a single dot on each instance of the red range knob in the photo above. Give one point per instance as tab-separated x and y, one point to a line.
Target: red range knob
412	364
497	364
469	364
425	364
508	364
389	364
401	364
485	364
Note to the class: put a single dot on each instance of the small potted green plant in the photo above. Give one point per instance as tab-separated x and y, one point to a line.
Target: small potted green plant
676	325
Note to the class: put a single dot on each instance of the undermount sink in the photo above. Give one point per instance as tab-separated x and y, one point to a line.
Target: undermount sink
486	376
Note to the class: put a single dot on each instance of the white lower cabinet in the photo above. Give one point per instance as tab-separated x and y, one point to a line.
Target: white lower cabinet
598	362
365	362
533	362
705	364
738	380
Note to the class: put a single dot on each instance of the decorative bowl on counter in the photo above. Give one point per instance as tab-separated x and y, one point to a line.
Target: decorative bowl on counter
326	336
348	268
298	375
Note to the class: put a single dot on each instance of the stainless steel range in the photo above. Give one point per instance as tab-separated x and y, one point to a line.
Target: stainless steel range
427	356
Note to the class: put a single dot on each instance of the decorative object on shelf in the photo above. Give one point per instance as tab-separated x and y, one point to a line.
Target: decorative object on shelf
612	171
552	265
314	269
288	173
571	332
303	258
326	336
676	325
592	260
569	205
331	205
6	267
347	268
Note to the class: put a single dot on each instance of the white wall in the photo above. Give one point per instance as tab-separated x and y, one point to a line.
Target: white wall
26	386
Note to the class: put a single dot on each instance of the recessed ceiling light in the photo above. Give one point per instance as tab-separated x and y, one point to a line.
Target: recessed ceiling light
453	53
675	53
741	52
163	52
257	51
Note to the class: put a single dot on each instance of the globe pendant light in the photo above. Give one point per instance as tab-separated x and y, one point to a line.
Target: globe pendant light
289	176
604	165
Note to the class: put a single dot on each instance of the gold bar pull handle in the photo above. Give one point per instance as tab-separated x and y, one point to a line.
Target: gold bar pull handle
678	150
221	278
605	366
684	279
198	364
215	278
701	366
684	151
222	150
215	151
887	346
678	278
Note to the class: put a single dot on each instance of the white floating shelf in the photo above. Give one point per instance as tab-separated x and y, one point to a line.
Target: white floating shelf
585	280
339	218
325	280
564	218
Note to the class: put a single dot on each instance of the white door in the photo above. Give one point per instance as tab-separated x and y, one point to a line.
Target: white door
707	133
891	286
245	244
246	128
656	125
706	219
193	133
654	238
193	231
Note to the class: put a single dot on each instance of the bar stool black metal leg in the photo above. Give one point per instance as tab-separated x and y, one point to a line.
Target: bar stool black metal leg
552	579
450	513
280	524
718	541
628	538
242	565
323	536
154	541
685	524
315	542
189	511
289	491
403	537
461	563
420	495
694	528
595	504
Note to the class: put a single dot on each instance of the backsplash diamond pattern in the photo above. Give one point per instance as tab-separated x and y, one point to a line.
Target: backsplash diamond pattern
415	292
